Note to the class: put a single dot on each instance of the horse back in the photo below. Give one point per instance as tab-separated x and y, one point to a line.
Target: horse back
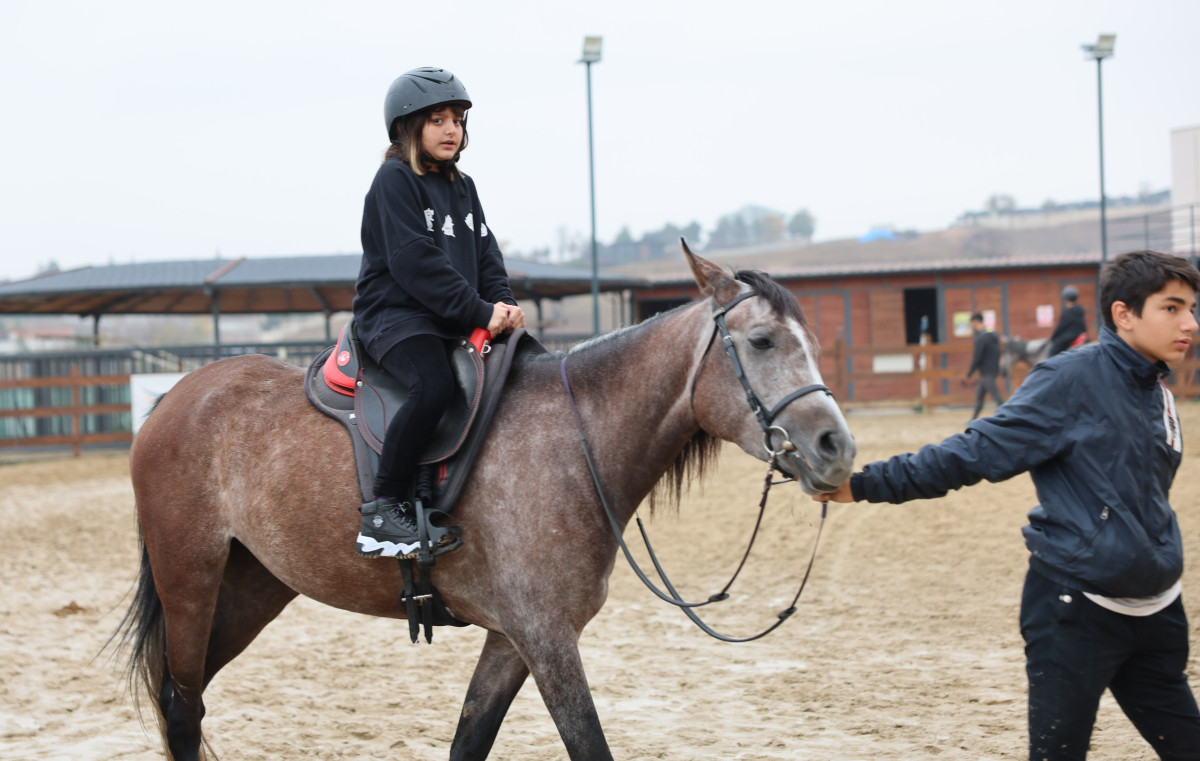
245	399
235	450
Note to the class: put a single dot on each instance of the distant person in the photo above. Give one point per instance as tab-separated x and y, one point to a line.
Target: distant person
1098	431
985	359
1072	324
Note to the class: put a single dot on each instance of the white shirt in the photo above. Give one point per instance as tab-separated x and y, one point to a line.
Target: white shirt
1138	606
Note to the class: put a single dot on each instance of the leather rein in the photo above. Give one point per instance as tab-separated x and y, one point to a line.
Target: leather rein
765	420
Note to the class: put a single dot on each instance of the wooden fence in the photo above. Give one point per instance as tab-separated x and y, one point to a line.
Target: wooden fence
918	377
76	412
937	376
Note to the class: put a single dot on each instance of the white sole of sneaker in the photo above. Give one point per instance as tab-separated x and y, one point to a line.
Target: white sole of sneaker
376	548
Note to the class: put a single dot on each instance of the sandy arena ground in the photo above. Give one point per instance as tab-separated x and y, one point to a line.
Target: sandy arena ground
905	644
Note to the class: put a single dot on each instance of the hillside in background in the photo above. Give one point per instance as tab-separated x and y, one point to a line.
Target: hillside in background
960	243
1128	231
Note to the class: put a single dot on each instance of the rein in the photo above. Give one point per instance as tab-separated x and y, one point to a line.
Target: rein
765	422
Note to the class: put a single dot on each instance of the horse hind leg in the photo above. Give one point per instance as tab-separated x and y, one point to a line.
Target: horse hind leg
188	607
155	651
204	636
250	598
498	677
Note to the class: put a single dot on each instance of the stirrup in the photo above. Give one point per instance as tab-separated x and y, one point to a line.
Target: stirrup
390	530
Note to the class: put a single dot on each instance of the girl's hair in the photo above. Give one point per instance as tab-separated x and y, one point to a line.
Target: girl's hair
406	137
1135	276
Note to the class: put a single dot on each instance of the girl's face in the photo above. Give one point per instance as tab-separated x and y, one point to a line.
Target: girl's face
442	134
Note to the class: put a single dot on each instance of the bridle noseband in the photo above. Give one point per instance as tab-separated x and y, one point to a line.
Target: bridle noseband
765	418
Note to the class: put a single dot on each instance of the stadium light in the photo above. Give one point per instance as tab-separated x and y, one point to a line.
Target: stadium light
591	54
1101	50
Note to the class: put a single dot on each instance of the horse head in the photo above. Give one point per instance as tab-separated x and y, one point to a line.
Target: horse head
758	384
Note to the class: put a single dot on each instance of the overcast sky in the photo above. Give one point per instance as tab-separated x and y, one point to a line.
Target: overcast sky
145	131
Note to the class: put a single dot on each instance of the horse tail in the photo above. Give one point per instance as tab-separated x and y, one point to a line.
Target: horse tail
142	632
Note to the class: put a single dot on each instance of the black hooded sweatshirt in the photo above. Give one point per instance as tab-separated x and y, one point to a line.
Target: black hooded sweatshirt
430	264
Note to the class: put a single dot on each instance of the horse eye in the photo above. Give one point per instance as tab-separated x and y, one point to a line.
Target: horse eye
761	342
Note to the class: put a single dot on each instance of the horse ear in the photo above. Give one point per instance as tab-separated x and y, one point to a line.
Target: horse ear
713	280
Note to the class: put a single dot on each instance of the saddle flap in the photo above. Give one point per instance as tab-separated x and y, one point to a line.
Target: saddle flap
380	395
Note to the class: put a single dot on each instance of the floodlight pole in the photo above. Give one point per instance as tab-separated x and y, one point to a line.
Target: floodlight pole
1101	50
591	54
1103	197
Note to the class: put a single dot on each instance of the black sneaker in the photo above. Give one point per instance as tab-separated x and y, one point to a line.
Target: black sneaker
389	530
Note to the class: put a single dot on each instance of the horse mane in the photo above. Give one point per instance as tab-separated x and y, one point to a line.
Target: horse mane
691	463
782	301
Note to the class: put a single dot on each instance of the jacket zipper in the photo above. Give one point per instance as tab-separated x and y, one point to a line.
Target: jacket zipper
1091	537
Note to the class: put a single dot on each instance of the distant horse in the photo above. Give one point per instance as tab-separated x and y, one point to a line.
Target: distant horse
1014	350
247	496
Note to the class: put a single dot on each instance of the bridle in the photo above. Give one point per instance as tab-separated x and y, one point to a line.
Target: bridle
765	421
765	418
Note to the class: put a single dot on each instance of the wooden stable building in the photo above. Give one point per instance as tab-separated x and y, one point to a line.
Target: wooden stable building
900	331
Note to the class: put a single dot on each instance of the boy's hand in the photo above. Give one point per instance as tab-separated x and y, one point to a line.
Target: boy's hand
843	494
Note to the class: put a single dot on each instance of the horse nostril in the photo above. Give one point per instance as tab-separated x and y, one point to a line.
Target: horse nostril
830	443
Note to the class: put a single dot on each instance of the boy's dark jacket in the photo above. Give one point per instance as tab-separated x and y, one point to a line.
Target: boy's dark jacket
430	264
1098	434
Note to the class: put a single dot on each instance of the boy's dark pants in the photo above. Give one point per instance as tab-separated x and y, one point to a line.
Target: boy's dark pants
1074	649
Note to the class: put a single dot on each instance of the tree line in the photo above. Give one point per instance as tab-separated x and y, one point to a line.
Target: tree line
749	226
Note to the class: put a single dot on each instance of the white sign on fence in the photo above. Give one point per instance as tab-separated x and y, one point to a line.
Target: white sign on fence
892	363
144	390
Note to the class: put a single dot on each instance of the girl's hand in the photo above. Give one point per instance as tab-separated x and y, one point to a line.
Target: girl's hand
499	322
516	317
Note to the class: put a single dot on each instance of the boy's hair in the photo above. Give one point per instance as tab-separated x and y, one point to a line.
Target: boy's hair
1136	275
406	137
976	317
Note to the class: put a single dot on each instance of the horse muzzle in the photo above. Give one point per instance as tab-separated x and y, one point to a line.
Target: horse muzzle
820	464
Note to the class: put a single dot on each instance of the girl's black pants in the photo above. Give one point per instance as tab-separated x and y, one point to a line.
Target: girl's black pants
422	363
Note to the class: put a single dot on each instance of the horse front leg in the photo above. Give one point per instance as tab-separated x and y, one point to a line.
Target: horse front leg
553	658
498	677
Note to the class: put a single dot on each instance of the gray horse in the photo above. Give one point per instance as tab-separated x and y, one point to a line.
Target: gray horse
247	497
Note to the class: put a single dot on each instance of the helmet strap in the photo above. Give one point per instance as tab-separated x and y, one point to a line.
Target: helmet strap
448	169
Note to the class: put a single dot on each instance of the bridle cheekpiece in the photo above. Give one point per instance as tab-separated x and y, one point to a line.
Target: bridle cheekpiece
765	418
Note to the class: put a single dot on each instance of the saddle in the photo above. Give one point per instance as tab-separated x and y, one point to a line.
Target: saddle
348	385
345	383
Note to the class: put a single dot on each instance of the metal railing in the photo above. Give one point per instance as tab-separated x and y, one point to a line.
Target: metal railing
1175	230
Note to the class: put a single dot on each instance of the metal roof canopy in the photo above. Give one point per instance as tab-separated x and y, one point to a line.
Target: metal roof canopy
323	283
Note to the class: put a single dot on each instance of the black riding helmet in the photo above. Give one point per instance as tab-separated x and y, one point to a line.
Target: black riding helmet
418	89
